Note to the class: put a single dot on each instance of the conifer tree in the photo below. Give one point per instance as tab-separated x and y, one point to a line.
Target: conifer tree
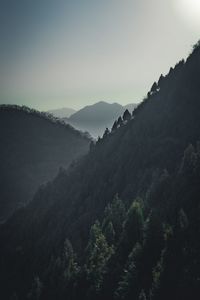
106	133
114	213
160	81
126	115
36	290
133	226
109	232
154	87
114	127
98	254
119	122
129	285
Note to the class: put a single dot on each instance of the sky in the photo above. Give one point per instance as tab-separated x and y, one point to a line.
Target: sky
72	53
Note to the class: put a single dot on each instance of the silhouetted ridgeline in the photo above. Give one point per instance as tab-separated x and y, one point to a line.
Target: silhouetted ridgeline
95	118
124	222
62	112
33	147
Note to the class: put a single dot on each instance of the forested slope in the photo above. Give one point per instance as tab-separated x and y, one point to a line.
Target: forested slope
141	181
33	147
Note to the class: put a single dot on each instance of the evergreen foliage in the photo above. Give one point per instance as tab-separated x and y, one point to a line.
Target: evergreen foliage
142	183
126	115
98	254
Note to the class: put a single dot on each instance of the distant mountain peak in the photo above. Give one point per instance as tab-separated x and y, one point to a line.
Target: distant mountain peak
63	112
100	103
97	117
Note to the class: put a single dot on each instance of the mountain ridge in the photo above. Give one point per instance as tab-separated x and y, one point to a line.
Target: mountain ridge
151	161
30	153
63	112
97	117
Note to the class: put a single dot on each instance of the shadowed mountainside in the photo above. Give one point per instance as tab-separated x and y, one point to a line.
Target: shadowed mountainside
141	181
33	147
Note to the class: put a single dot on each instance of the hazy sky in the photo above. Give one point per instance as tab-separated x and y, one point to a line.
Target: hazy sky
56	53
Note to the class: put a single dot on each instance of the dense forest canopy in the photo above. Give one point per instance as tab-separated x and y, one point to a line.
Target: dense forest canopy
124	221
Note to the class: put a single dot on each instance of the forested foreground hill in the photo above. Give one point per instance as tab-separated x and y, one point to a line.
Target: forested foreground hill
124	222
33	147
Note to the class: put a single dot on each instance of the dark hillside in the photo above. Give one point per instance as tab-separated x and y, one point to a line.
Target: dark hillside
33	147
141	181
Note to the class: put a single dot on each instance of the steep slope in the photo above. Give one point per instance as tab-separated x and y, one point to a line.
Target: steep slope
33	147
142	158
95	118
130	107
64	112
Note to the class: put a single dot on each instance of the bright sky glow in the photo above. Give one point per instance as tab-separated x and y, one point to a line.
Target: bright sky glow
190	11
71	53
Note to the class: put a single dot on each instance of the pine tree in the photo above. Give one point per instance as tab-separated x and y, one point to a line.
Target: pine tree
132	230
98	254
109	233
189	161
70	267
129	285
119	122
114	213
106	133
36	290
114	127
133	226
126	115
154	87
161	80
62	273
